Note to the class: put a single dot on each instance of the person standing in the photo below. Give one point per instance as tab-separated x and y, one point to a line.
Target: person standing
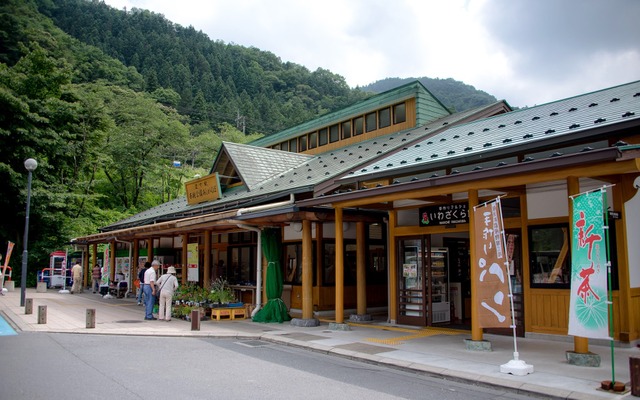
168	283
141	272
150	290
96	275
76	273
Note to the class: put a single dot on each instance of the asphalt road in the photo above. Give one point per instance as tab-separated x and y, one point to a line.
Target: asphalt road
74	366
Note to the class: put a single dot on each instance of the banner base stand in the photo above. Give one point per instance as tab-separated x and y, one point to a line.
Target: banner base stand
516	367
583	359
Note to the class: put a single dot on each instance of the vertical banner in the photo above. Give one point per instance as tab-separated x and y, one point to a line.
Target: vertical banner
492	287
192	262
588	310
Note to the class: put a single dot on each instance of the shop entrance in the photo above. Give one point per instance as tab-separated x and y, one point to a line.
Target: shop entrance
424	292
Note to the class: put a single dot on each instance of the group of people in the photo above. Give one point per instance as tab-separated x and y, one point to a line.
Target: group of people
154	287
151	287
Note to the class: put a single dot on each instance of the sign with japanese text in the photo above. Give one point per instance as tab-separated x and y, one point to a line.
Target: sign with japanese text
588	309
492	287
192	262
444	214
203	189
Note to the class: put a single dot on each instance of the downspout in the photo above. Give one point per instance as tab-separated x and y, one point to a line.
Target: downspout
242	211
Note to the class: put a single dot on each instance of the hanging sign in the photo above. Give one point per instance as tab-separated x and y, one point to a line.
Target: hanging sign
192	262
203	189
444	214
588	314
492	287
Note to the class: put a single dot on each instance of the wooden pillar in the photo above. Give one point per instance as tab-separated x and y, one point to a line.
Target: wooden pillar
361	272
94	255
135	255
185	252
628	317
476	330
150	250
112	262
307	271
85	267
580	344
526	266
319	254
207	259
393	269
339	268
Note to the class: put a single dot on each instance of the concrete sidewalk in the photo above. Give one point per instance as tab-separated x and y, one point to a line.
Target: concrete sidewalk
434	351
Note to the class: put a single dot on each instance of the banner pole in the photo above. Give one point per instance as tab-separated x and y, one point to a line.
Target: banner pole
609	295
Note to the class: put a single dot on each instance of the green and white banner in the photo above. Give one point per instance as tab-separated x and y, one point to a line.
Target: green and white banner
588	310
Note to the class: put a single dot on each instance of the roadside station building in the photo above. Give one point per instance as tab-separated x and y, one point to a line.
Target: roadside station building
348	193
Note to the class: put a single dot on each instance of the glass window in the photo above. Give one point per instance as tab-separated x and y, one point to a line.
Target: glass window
371	122
284	146
358	126
322	137
346	129
384	118
293	145
302	143
313	140
550	265
399	113
334	133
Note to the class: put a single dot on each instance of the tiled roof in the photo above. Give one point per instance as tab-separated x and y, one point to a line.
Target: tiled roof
257	164
529	129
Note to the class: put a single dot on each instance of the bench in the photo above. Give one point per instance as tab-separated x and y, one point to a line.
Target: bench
231	312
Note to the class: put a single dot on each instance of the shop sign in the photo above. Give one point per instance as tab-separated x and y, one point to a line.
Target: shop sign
203	189
445	214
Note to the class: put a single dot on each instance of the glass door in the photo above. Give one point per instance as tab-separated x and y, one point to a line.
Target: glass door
412	306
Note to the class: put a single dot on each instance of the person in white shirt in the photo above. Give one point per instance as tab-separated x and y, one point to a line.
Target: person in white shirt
76	273
150	290
168	283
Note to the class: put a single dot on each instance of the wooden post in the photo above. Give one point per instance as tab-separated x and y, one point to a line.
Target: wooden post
361	273
339	267
476	330
393	269
207	259
185	267
307	271
195	320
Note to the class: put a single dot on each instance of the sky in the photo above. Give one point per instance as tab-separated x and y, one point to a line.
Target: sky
527	52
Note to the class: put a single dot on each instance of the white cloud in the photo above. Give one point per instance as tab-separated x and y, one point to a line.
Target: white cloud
525	52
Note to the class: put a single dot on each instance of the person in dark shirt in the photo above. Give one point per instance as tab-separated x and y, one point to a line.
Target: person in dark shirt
141	279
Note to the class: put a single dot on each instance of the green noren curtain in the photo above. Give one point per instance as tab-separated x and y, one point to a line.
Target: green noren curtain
274	310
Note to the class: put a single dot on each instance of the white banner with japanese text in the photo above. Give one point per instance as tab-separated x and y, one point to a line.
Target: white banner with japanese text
588	310
492	287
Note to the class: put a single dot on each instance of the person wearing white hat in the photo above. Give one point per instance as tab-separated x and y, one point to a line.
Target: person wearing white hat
168	283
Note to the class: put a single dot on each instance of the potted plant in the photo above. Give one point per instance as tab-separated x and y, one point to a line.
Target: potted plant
220	293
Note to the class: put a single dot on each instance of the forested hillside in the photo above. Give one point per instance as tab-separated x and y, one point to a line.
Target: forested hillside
456	95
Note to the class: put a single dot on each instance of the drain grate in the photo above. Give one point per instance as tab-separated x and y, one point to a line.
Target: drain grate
253	343
128	321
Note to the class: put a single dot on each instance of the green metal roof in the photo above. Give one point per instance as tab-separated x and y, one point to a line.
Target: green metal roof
428	109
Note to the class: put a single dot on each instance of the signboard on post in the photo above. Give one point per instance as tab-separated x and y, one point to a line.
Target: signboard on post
203	189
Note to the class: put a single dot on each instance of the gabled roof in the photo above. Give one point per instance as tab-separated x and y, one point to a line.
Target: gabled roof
428	109
250	165
565	122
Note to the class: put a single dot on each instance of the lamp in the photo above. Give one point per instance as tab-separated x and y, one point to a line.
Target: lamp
30	164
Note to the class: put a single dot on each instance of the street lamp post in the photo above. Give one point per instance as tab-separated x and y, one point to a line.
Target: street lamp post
30	164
